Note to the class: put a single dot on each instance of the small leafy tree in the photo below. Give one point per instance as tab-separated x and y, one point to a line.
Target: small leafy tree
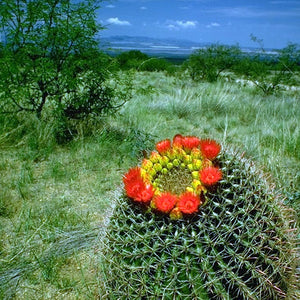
208	63
270	72
155	64
131	59
51	59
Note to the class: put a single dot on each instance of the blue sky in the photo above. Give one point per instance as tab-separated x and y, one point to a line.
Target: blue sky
276	22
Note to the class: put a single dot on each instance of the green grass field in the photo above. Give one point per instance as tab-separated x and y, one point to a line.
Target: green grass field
54	199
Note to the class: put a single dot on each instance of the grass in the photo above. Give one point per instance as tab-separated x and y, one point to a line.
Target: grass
54	198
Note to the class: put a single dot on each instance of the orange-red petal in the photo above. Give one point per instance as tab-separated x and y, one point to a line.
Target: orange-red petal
210	175
163	146
190	142
165	202
188	203
210	148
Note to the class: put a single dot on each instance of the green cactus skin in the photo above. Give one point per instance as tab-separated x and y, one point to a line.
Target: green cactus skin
241	245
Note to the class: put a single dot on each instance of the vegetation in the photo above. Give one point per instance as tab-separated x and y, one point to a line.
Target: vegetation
51	64
131	59
53	209
240	245
208	63
136	60
269	73
68	132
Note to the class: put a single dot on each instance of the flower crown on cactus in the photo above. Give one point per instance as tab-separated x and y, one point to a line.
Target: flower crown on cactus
175	178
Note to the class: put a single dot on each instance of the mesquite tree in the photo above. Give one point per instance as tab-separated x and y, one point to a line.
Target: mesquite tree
50	58
208	63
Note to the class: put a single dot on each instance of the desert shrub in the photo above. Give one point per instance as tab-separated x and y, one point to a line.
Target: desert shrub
269	73
131	59
51	64
157	64
208	63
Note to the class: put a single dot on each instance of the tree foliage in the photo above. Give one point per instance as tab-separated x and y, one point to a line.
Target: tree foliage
131	59
270	72
208	63
51	59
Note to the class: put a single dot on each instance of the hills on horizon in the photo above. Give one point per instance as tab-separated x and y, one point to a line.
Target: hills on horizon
156	46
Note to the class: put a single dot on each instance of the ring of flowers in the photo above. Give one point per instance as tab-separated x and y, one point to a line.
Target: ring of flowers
154	184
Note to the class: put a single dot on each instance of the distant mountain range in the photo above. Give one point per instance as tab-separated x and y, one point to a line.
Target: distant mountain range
155	46
149	45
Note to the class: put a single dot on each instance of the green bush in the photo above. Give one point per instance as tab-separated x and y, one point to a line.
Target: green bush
208	63
131	59
157	64
269	73
51	64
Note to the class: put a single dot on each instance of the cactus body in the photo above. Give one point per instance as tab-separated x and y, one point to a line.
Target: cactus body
240	245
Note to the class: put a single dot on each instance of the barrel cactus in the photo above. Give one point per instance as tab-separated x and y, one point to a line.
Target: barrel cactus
193	223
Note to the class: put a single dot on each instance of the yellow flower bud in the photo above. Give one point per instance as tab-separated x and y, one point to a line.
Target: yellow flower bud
196	153
164	171
154	157
157	167
152	204
145	175
196	183
176	162
190	167
170	166
195	174
152	172
164	160
175	214
172	154
197	164
187	159
146	164
157	192
189	189
179	152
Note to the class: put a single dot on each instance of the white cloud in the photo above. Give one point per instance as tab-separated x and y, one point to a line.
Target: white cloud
177	25
187	24
110	6
213	24
172	27
143	7
116	21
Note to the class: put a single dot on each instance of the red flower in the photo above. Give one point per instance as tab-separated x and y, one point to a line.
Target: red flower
132	175
165	202
177	140
188	203
139	191
210	148
210	175
135	187
145	194
190	142
163	146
